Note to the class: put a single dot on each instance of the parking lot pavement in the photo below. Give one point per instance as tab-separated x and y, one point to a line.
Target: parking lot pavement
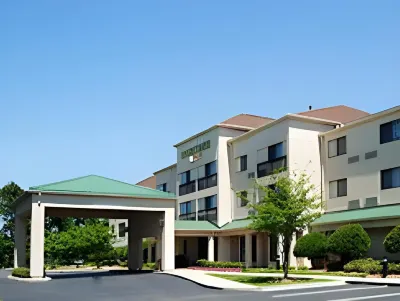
108	286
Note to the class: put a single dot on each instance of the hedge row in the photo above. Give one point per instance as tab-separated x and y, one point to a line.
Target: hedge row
21	273
219	264
370	266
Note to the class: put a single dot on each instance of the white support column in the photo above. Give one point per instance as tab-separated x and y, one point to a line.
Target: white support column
210	248
20	242
292	258
224	248
248	251
261	250
37	241
158	249
168	240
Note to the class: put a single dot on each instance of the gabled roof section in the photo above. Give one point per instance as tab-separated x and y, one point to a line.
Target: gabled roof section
241	122
97	185
195	226
247	120
149	182
341	113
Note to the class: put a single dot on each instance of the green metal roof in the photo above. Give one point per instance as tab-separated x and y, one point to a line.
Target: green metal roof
195	225
380	212
98	185
237	224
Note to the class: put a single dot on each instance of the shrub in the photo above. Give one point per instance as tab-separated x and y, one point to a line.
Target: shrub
312	245
21	273
394	268
303	268
392	241
349	241
219	264
369	266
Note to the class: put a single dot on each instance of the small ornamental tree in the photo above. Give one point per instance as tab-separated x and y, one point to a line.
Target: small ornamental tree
350	242
392	241
312	245
291	206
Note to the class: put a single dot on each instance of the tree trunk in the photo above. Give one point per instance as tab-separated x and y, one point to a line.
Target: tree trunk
286	257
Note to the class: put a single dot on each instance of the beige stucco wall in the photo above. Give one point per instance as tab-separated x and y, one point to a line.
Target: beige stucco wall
363	177
168	176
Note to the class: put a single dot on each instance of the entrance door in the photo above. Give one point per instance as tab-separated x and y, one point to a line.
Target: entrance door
202	248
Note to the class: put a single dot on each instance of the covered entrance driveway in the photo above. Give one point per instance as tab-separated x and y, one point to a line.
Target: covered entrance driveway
150	213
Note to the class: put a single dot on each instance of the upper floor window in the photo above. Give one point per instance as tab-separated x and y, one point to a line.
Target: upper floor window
242	198
211	168
268	168
207	208
210	178
121	230
390	131
187	210
275	151
186	184
184	177
390	178
162	187
337	147
337	188
241	163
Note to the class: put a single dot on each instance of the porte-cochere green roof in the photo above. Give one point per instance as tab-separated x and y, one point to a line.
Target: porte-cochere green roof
97	185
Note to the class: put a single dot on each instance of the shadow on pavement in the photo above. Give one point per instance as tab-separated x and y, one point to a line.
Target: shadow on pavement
93	274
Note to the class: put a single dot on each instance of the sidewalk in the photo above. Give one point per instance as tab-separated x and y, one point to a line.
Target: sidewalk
201	278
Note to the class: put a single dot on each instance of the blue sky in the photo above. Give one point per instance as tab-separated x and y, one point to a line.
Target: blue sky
100	87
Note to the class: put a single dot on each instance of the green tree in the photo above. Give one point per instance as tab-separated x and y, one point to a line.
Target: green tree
312	245
78	243
8	194
350	242
392	241
291	206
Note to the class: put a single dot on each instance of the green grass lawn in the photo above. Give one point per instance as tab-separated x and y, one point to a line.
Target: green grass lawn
265	281
295	272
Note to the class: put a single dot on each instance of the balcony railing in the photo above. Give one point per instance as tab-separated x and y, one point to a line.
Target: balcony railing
207	182
267	168
208	215
188	217
187	188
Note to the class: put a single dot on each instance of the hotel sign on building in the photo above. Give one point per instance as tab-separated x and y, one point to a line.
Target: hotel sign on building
195	149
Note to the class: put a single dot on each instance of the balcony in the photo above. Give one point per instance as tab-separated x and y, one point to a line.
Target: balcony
267	168
208	215
207	182
188	217
187	188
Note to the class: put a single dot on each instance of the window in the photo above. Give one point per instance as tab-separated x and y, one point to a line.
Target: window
254	248
242	163
207	208
211	168
242	198
275	151
390	131
268	168
186	185
187	210
242	248
337	188
210	179
390	178
185	247
121	230
337	147
162	187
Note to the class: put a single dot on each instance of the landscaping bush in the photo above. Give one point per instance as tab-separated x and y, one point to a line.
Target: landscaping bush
219	264
312	245
369	266
392	241
149	265
303	268
21	273
394	268
350	242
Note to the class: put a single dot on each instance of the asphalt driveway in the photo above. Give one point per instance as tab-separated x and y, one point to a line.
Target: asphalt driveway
121	286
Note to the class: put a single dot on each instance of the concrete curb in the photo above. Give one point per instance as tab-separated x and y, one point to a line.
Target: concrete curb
260	288
191	280
32	280
373	283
